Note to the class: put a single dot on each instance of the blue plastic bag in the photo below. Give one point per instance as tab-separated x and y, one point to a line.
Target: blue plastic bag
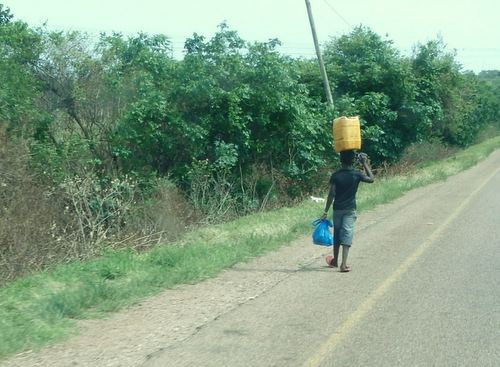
322	235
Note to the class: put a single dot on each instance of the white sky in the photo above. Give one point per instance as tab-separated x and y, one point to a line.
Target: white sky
471	27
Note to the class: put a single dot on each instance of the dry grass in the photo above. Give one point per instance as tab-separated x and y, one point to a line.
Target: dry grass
417	155
32	219
42	226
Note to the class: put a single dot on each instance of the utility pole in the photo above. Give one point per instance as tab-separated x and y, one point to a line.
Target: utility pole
320	58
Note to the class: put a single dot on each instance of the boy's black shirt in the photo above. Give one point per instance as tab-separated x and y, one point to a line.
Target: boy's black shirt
346	183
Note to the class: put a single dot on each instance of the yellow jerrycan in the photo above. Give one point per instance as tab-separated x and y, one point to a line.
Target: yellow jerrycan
346	133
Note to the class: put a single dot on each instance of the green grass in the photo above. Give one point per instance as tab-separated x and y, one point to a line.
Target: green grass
43	308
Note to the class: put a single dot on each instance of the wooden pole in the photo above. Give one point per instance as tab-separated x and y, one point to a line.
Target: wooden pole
326	84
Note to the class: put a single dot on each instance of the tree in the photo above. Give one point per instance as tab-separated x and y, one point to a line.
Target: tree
5	15
150	136
249	96
20	48
488	84
369	72
449	95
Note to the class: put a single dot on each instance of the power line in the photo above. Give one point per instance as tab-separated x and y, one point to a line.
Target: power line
338	14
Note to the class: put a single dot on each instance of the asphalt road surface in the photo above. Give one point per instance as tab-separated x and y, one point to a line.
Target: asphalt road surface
424	291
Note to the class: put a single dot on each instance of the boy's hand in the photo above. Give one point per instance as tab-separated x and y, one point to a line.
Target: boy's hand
363	157
323	217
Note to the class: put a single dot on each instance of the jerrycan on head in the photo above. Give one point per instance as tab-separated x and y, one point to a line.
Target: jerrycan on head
346	133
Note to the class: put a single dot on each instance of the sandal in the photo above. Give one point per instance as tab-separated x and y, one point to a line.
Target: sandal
329	261
345	270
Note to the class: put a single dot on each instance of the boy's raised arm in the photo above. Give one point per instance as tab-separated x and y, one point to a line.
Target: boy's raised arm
363	157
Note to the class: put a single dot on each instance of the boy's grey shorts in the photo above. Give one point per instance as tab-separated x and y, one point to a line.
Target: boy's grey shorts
343	226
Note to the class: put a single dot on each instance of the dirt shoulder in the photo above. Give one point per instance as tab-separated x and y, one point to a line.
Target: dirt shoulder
129	336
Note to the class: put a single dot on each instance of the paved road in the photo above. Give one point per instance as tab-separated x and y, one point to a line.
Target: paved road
424	291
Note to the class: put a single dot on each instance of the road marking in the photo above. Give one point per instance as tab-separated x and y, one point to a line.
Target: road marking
368	304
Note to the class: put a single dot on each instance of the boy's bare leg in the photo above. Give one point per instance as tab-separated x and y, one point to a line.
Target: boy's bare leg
345	253
336	251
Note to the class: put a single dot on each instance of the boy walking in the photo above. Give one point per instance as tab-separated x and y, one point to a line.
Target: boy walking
343	188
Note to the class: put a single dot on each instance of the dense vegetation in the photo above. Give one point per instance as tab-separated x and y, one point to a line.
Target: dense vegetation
113	143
